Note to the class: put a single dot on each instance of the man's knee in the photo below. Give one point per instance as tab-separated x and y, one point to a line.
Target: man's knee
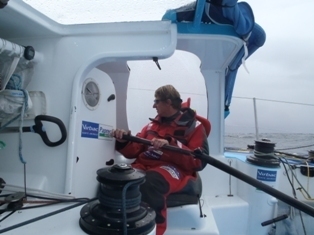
154	189
153	192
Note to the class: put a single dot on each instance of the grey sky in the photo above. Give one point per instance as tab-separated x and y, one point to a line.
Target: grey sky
286	59
280	70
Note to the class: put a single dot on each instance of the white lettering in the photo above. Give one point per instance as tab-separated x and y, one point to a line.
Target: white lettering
104	131
89	128
266	174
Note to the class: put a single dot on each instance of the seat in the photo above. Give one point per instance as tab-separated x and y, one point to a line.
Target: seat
192	190
203	120
190	194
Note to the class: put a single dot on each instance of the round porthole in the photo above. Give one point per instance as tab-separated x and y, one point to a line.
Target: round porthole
91	94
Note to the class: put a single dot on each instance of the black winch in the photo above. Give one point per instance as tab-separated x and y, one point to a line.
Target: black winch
119	209
264	154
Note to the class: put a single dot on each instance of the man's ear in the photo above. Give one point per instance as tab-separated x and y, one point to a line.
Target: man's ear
169	101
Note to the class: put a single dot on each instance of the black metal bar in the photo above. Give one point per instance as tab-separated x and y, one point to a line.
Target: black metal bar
222	166
274	220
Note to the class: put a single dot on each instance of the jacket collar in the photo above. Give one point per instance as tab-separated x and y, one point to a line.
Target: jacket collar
181	118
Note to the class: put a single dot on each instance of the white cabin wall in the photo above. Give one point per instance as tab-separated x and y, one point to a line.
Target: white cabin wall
65	60
53	77
215	83
89	151
212	177
68	59
119	72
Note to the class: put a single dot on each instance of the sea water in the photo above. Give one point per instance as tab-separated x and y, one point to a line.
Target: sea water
296	143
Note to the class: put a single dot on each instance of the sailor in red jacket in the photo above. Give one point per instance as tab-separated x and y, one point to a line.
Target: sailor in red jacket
165	170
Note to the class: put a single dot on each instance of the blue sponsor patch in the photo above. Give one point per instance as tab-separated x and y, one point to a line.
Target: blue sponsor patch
172	171
153	153
265	175
95	130
90	130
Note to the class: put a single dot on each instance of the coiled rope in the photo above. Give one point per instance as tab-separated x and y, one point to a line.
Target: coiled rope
15	83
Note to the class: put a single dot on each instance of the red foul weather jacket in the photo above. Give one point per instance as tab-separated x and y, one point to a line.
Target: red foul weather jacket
182	130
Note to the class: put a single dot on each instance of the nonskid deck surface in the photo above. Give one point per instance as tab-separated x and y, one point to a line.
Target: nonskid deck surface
219	215
210	220
63	223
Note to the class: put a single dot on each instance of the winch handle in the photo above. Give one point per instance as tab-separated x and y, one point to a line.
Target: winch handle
40	129
234	172
147	142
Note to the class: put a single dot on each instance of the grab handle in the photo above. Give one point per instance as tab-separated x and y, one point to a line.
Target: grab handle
40	129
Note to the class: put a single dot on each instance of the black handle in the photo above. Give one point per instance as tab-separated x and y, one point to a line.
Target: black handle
274	220
238	174
147	142
39	129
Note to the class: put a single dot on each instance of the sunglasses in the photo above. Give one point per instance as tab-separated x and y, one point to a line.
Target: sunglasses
157	101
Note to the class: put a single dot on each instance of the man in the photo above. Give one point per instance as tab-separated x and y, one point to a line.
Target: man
165	170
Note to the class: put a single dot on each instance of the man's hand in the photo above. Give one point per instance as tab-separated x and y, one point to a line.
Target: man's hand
118	134
158	143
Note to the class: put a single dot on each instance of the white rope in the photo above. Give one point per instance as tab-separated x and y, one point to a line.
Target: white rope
246	53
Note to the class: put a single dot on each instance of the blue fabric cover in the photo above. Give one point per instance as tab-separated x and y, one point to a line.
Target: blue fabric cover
255	41
230	12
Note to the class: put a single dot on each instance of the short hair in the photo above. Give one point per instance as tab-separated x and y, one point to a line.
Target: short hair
169	92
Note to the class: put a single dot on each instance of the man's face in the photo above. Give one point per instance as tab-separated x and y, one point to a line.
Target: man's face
163	107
